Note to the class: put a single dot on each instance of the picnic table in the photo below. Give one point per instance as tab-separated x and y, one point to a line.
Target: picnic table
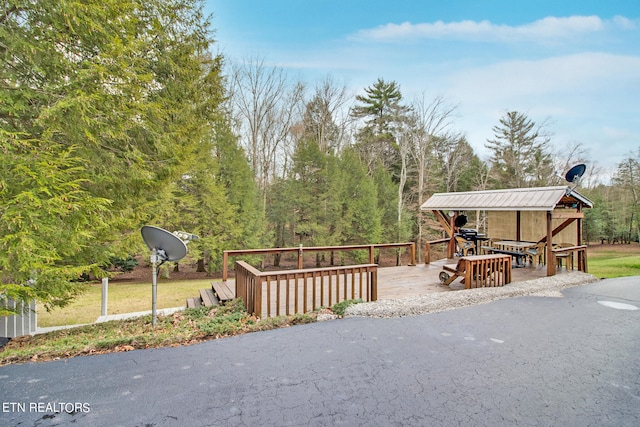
514	248
479	271
514	245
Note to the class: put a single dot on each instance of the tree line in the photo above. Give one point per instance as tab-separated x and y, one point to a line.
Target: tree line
117	114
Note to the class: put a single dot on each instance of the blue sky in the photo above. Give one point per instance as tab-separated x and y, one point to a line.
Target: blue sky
574	62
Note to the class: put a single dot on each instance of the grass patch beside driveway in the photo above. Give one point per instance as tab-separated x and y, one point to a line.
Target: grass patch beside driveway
181	328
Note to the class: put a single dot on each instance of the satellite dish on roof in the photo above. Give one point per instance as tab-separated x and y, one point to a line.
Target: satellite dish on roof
575	173
169	247
573	176
165	246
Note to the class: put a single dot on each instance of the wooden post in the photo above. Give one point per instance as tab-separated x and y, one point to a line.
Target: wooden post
579	227
372	254
257	297
373	279
551	258
451	248
300	257
239	284
225	264
427	253
413	254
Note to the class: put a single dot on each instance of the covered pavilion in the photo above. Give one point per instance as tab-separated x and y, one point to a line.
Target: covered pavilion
537	214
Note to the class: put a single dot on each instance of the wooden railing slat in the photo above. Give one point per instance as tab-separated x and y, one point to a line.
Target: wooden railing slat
340	283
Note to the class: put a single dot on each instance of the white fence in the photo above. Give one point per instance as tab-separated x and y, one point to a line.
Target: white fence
15	326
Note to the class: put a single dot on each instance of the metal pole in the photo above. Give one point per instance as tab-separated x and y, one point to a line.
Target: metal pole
105	295
154	284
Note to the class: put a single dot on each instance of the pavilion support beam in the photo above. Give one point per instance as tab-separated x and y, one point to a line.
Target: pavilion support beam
447	224
451	247
579	228
556	230
444	221
567	215
551	259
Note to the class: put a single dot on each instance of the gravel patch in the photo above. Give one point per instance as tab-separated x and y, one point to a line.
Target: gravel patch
442	301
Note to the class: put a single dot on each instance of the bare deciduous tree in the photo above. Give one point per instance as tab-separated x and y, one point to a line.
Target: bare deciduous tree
433	119
265	105
326	116
454	155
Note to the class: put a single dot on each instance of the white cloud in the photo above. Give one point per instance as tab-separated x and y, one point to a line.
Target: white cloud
585	73
426	30
552	27
590	98
624	23
549	28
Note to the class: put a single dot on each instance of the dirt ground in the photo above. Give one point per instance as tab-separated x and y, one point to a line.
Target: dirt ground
610	247
142	273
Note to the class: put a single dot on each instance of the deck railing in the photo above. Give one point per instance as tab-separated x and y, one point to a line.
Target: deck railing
427	248
301	251
275	293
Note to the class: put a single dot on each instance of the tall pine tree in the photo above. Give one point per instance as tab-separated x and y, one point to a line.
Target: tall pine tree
117	97
520	155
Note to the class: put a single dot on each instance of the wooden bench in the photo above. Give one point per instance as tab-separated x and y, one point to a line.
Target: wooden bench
223	291
567	253
479	271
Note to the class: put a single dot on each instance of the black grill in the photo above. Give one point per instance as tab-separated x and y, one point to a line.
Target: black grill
468	233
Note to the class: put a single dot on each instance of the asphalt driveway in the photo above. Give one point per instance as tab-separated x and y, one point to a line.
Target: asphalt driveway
571	361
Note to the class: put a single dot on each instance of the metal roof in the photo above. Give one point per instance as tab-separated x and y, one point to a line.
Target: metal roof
515	199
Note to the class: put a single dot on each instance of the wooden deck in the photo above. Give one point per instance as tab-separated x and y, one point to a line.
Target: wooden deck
406	282
413	281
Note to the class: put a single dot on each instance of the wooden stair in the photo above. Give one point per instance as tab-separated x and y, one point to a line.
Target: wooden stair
223	291
194	302
219	293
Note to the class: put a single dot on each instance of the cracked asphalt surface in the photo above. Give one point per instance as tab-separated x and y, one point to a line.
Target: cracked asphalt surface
530	361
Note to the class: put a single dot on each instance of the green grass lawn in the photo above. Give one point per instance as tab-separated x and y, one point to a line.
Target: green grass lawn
123	298
614	261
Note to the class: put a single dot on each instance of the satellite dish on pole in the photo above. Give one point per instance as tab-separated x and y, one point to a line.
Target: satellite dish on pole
171	246
574	174
165	246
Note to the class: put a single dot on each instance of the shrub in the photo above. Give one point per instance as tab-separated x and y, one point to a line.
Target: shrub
125	265
340	307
